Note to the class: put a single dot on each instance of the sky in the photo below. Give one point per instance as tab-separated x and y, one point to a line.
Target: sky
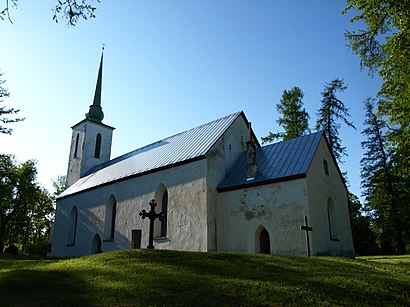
171	65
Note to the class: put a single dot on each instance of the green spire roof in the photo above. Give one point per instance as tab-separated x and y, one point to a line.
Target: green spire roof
95	113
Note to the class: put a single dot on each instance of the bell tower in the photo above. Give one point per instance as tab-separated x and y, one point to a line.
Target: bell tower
91	139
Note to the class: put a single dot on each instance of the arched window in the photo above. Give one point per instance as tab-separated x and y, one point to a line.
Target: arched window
331	217
96	245
76	145
164	211
161	198
72	226
97	146
110	215
262	240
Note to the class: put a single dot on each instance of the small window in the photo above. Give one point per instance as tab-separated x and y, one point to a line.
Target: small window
110	216
72	226
113	216
331	218
76	145
326	167
97	146
164	211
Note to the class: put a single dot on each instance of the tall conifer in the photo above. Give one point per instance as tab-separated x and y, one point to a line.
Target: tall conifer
381	187
294	120
330	113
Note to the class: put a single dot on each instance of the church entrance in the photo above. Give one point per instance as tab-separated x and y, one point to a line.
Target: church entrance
96	248
264	241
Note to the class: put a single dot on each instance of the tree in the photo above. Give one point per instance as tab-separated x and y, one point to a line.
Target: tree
59	186
8	182
364	238
294	120
383	190
384	48
331	111
25	208
71	10
4	112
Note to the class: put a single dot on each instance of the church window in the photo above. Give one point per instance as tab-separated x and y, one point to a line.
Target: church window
97	146
161	198
76	145
96	245
164	210
326	167
110	216
72	226
262	240
331	216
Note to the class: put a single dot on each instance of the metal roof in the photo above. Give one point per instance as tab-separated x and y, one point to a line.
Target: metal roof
277	162
176	149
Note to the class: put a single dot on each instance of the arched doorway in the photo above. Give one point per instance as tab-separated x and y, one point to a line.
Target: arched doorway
96	246
264	241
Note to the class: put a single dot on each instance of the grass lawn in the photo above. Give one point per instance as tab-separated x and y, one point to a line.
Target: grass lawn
157	277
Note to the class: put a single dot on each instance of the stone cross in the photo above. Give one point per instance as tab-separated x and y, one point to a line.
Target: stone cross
307	228
152	215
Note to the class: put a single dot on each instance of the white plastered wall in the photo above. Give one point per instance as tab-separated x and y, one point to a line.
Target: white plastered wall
279	207
321	187
220	158
187	216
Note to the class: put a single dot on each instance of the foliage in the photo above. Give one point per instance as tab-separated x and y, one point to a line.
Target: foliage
294	120
4	112
384	191
331	111
59	185
70	10
162	278
364	238
384	47
25	208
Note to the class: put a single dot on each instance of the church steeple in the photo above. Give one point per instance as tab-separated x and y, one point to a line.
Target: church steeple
91	139
95	113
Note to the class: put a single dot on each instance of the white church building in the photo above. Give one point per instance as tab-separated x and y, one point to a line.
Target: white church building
218	188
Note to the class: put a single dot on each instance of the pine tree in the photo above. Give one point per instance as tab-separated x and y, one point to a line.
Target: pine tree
331	111
381	187
294	120
5	113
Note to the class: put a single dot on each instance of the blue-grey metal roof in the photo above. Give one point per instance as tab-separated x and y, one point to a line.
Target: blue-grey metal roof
176	149
277	162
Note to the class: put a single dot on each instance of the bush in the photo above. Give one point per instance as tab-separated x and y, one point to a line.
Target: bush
37	248
12	250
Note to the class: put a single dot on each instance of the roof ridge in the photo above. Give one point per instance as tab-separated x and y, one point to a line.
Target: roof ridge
179	148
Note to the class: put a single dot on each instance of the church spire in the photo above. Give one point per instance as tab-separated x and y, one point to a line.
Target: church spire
95	113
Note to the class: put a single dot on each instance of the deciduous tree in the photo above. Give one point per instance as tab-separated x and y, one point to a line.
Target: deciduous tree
383	45
70	10
25	207
364	237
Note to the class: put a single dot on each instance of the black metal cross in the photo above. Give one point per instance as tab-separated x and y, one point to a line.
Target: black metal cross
152	215
307	228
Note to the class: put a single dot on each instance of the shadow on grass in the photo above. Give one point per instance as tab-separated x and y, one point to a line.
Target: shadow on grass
146	277
33	287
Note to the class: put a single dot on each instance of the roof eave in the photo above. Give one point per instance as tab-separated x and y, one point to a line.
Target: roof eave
252	184
135	176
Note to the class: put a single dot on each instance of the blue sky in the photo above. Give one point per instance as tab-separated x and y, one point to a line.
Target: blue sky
170	66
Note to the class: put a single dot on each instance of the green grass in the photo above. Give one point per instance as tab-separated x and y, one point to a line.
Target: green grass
155	277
